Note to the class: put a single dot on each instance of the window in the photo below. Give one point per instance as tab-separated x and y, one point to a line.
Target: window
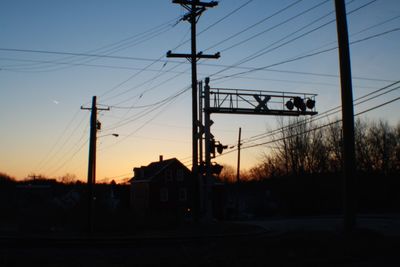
182	194
179	175
164	194
168	176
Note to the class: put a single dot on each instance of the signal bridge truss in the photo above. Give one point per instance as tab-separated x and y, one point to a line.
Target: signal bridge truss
253	102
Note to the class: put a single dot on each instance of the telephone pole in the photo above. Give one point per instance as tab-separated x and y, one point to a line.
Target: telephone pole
91	179
195	8
347	118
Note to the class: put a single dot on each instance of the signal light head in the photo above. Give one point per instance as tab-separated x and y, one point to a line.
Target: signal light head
310	103
299	103
289	105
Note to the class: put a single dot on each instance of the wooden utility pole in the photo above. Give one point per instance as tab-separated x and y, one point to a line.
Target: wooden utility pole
195	8
91	179
347	119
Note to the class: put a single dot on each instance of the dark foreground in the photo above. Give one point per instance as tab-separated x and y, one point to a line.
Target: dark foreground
207	245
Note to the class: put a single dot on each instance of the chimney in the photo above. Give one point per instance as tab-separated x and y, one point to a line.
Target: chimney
161	158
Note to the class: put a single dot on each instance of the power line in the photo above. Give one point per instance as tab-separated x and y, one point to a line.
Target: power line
76	144
378	106
70	158
217	22
275	26
148	105
54	154
358	32
265	50
152	79
146	122
255	24
129	78
119	45
77	54
154	106
200	63
304	56
224	17
39	165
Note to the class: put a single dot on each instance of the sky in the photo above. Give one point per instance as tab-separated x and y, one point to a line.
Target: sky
56	55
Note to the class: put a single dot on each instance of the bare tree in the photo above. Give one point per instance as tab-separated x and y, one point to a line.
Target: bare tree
334	143
227	174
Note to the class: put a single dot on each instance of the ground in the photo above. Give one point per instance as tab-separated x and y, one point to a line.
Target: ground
316	241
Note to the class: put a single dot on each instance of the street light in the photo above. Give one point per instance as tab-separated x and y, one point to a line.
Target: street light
113	134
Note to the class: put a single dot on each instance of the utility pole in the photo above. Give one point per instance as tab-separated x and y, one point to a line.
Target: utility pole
91	180
348	150
238	159
195	9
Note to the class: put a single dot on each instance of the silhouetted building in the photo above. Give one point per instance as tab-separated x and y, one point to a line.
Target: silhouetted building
161	193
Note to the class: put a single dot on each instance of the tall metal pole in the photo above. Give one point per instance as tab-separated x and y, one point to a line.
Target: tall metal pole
347	118
207	136
201	159
238	159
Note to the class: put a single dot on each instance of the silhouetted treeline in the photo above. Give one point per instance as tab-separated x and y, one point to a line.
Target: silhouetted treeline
302	173
303	147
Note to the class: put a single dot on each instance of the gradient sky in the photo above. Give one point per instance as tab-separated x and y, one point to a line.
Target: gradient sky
44	131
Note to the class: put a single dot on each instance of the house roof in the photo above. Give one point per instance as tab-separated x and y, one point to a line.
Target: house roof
153	169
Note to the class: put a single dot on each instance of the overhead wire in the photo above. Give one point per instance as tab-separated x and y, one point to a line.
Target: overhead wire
124	43
305	56
275	26
150	108
271	47
53	167
55	144
162	107
255	24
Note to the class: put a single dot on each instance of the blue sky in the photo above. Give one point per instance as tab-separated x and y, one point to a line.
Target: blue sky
44	131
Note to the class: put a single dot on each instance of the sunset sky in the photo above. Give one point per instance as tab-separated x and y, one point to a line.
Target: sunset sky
56	55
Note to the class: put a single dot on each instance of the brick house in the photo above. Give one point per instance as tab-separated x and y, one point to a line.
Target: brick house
161	193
